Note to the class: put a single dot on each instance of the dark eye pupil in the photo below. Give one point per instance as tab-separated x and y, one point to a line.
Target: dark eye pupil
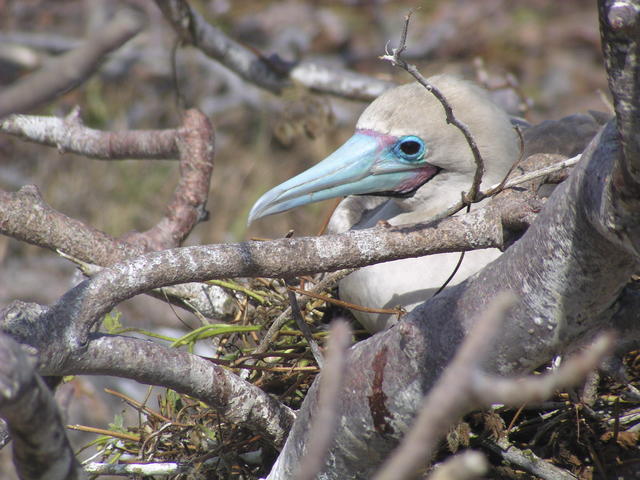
410	147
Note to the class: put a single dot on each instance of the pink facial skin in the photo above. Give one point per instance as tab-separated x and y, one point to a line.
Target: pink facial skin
422	173
384	141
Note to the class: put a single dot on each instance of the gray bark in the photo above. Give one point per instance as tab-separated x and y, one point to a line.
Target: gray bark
569	270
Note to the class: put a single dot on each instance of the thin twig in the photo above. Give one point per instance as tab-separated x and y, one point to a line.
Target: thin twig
143	408
304	328
455	269
326	283
352	306
396	59
499	187
527	177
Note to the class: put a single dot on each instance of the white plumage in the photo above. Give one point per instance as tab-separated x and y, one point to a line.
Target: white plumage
402	136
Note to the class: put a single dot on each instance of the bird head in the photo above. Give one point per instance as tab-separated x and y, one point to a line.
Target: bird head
404	147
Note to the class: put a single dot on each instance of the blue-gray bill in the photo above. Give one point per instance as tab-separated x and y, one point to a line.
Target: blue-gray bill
367	163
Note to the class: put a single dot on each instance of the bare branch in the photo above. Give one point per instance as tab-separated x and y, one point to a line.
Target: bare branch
154	469
89	301
620	30
27	217
536	174
620	27
342	83
396	59
449	398
324	424
528	461
463	386
195	141
147	362
71	69
193	29
492	389
234	399
69	134
271	73
40	446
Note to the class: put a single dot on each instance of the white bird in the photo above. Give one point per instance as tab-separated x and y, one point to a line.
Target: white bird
417	165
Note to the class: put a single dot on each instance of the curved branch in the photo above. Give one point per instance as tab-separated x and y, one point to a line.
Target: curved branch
620	29
25	216
195	142
147	362
45	227
90	300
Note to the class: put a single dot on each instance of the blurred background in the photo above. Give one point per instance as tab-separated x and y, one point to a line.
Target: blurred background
550	50
541	57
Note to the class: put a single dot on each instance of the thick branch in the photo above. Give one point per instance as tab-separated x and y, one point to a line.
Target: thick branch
40	446
147	362
620	31
568	270
324	425
271	73
464	387
89	301
25	216
195	141
69	134
71	69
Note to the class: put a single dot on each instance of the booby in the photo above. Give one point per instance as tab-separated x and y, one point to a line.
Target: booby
404	152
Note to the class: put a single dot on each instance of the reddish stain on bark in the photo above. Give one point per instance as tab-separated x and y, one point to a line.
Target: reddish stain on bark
378	399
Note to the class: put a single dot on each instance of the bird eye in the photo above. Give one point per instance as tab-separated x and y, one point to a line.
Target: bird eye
410	148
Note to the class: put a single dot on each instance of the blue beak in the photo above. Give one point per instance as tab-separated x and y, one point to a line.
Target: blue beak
365	164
